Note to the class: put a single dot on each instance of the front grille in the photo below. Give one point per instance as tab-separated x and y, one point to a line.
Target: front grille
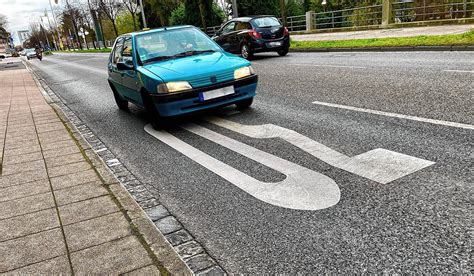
205	81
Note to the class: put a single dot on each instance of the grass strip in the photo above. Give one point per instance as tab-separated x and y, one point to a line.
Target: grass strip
422	40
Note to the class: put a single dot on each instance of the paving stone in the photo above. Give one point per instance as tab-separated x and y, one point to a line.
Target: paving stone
74	179
49	127
24	190
157	212
115	257
37	165
79	193
189	249
88	209
64	160
22	150
200	262
61	151
54	136
20	145
19	178
68	169
167	225
179	237
28	157
26	205
58	145
28	224
55	266
147	270
34	248
106	228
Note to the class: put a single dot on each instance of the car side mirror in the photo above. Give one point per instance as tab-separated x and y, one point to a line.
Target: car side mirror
123	66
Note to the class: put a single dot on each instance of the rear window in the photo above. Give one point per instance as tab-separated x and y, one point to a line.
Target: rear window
263	22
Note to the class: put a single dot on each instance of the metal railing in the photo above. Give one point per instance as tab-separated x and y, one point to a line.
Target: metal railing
210	31
363	16
296	23
395	11
409	11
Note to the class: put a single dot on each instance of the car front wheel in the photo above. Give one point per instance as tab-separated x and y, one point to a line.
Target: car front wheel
245	51
153	115
244	104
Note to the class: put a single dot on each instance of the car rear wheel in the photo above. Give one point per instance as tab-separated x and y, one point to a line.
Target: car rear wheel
244	104
153	115
245	51
283	52
121	103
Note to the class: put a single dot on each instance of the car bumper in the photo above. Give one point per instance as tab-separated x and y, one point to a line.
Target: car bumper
187	102
261	45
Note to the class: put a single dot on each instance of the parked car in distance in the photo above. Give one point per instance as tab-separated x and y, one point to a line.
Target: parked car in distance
30	53
177	70
248	35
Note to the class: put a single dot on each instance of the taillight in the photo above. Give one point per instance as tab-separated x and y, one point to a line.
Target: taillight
255	34
285	32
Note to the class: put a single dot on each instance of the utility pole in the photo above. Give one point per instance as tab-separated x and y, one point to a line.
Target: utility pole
143	14
51	28
60	45
44	32
235	11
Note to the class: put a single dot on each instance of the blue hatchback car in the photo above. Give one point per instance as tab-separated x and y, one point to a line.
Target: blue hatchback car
177	70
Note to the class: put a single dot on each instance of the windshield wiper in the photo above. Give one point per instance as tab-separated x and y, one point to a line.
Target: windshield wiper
158	58
193	53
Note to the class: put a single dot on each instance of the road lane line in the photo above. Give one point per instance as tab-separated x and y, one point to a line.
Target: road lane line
302	189
459	71
379	165
327	65
397	115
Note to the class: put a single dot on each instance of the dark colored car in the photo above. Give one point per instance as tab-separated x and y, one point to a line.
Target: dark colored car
255	34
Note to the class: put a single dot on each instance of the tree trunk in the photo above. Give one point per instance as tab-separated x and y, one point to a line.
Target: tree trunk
134	21
115	28
283	11
202	10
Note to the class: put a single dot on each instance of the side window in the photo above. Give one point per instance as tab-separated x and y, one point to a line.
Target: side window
117	53
243	26
228	28
127	51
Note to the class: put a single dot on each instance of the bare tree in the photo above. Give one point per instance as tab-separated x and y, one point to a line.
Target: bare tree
133	8
3	21
111	8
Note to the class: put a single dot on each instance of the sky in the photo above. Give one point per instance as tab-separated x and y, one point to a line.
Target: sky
21	12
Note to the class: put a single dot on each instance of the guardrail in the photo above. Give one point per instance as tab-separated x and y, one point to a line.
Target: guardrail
363	16
411	12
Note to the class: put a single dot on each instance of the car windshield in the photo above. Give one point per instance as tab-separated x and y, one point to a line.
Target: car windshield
263	22
170	44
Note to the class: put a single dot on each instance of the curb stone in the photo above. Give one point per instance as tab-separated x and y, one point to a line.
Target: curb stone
142	208
386	49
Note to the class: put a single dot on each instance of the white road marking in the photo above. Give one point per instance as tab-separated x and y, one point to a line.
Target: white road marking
379	165
459	71
327	65
302	189
400	116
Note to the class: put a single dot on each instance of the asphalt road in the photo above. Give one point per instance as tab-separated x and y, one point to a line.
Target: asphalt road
418	223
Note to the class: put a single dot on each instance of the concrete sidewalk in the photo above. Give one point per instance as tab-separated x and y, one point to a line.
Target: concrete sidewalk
57	215
383	33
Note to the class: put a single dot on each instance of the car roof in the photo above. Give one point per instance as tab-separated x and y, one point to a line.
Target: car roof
250	17
149	31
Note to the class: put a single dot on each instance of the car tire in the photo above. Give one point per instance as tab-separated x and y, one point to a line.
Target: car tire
283	52
153	115
28	58
245	51
244	104
121	103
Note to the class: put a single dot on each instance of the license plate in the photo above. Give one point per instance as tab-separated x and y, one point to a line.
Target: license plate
274	44
204	96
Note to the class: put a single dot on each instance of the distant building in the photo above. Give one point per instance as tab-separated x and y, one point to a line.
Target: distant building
23	36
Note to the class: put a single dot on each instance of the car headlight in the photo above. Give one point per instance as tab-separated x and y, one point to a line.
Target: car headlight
243	72
174	86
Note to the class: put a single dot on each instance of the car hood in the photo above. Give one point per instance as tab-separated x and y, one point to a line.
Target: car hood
194	67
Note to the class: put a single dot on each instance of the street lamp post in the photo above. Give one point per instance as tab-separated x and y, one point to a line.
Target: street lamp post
56	26
143	14
44	32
